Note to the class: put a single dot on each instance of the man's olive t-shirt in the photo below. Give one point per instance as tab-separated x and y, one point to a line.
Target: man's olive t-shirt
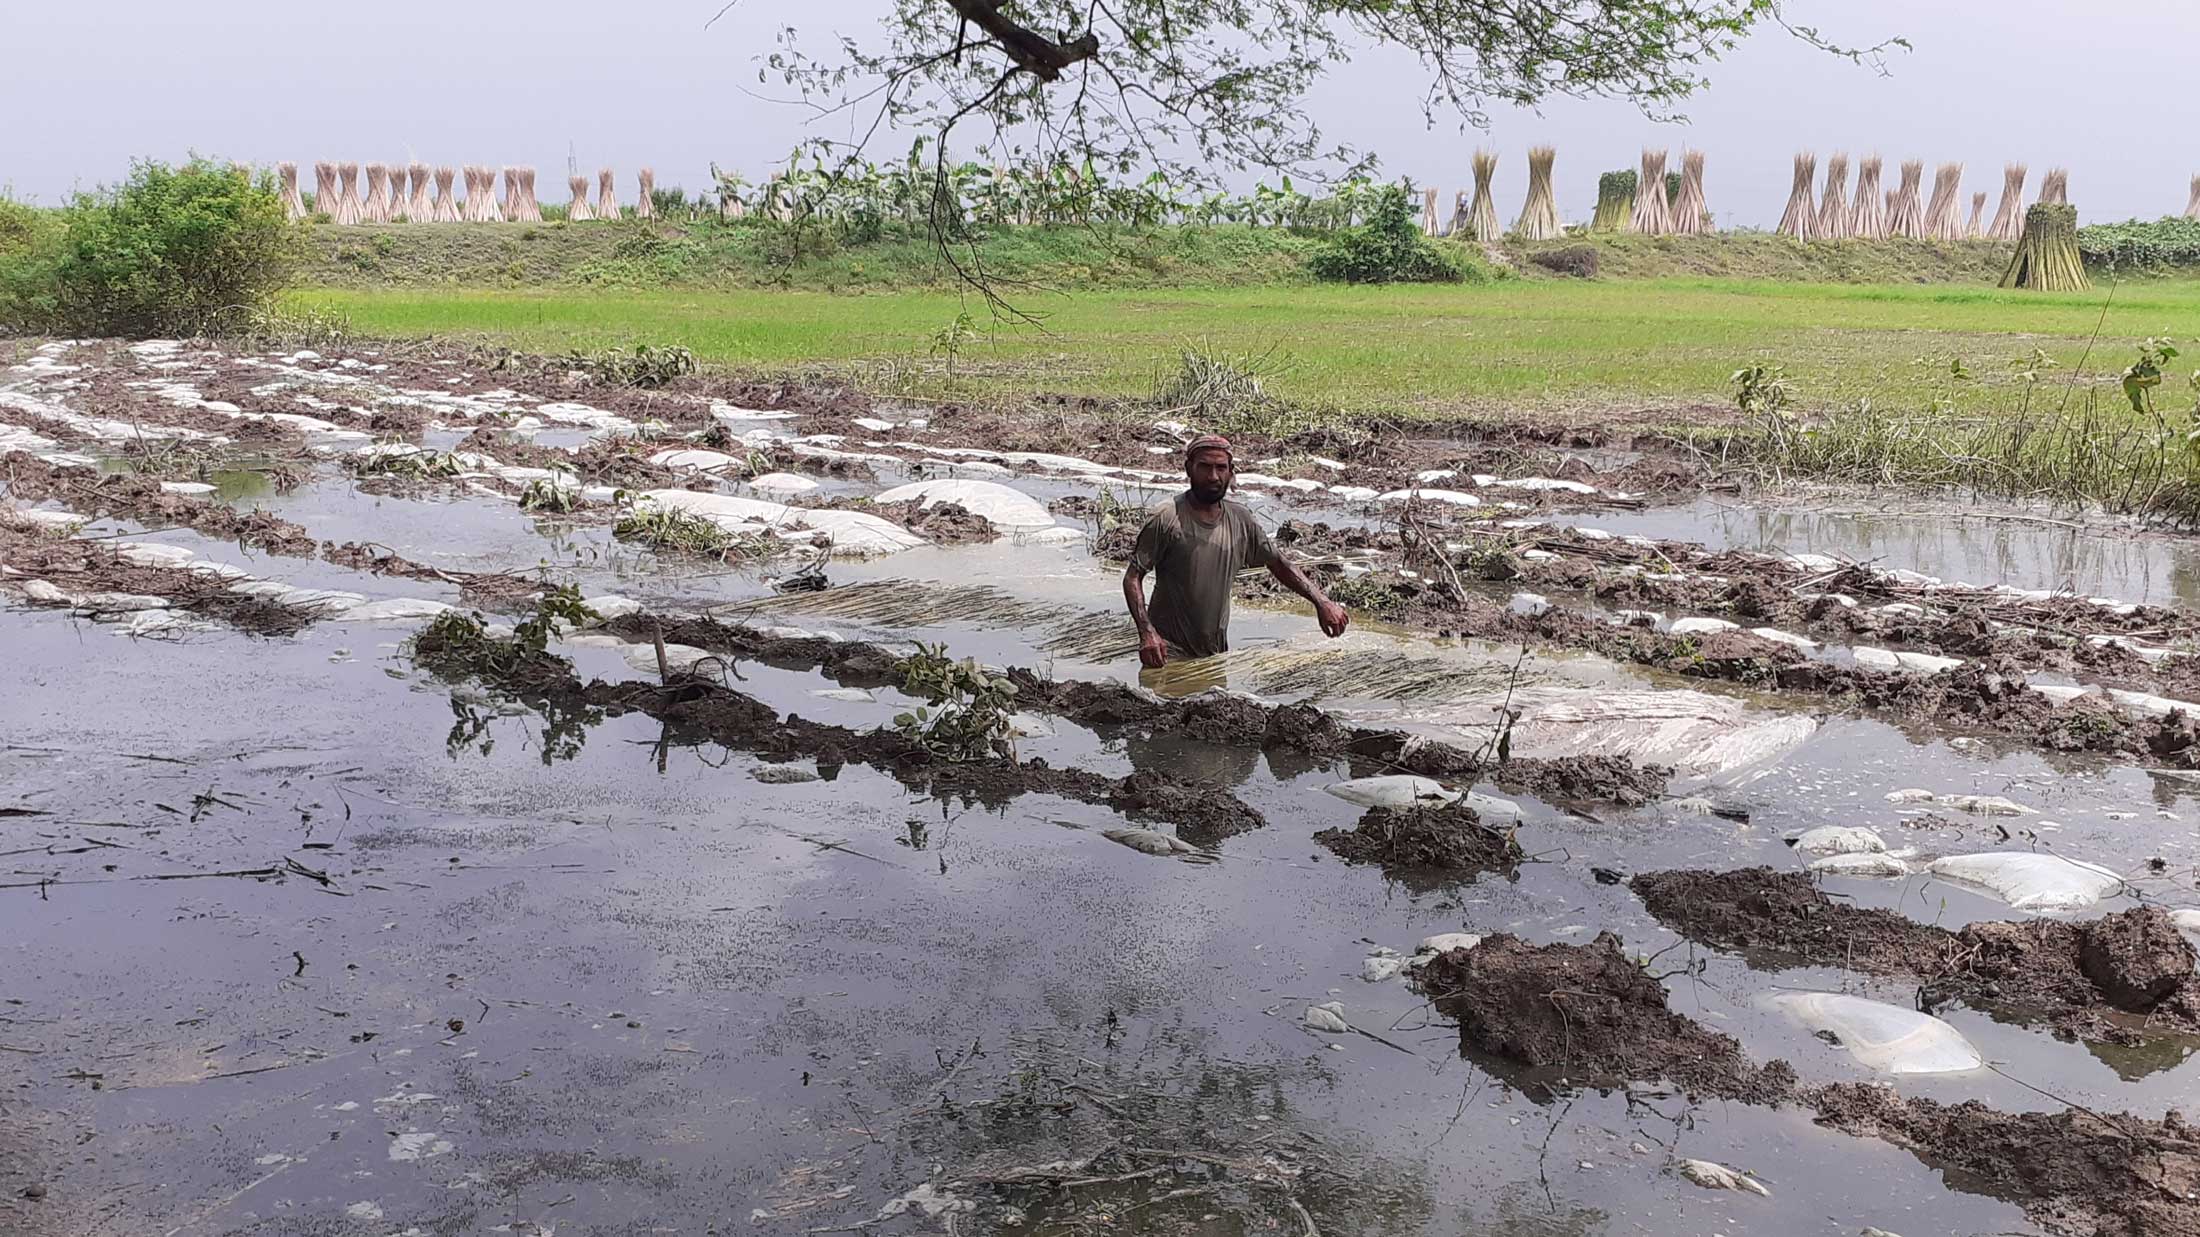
1194	565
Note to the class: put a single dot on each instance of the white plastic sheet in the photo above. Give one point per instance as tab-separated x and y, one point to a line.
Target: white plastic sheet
2030	880
1003	505
1884	1037
1396	790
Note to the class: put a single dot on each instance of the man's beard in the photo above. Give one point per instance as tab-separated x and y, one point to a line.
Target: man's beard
1209	495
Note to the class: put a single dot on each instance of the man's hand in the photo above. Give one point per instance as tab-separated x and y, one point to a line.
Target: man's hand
1153	651
1332	618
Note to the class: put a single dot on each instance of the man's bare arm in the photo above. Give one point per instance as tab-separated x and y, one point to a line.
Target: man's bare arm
1328	613
1152	650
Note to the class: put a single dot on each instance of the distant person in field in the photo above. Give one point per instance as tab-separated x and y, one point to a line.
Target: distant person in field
1195	547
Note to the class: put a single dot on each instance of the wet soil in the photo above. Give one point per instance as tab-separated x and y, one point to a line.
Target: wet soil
1213	717
89	492
1588	1015
697	709
1450	842
940	523
614	462
2075	1171
2110	978
86	567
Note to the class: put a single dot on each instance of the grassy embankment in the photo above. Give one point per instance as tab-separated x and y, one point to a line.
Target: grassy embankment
2034	410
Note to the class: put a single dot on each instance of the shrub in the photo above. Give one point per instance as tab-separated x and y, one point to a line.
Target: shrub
1579	261
198	249
2139	245
1389	248
29	248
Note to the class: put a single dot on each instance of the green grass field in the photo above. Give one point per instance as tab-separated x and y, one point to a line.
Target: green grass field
1606	347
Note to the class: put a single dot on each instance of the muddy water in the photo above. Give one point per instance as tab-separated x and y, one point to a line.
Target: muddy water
567	976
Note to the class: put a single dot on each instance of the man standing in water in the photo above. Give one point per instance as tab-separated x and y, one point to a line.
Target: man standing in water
1196	545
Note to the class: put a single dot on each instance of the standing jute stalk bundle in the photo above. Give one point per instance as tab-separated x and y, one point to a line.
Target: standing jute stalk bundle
2054	189
645	200
376	207
1615	202
577	210
1974	229
1867	214
1833	205
1941	221
1653	213
509	199
530	209
1482	216
1428	212
1800	220
2192	208
1539	214
324	189
607	195
2047	257
469	205
2009	216
294	204
1691	211
491	211
1905	213
444	209
417	206
347	194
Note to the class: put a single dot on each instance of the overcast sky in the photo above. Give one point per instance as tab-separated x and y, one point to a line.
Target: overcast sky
2094	86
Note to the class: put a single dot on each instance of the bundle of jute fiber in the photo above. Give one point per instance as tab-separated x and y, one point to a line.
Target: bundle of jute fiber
527	209
577	210
1868	213
376	208
1833	204
1539	214
1653	212
1974	230
2009	216
444	209
1941	221
324	189
1691	213
294	203
2047	255
1800	220
607	195
347	194
1482	216
645	198
491	212
2192	208
1615	210
417	206
1905	212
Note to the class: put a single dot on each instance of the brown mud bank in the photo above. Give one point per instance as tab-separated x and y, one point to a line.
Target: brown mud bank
1217	717
2111	978
1426	845
694	708
96	574
1589	1015
93	494
1989	695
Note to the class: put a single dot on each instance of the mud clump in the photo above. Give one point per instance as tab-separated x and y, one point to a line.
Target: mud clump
1768	911
1202	815
2072	1171
1588	1014
2106	979
1449	839
1602	779
943	523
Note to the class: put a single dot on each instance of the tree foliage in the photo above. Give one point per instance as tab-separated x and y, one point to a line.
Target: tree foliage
196	249
1389	248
